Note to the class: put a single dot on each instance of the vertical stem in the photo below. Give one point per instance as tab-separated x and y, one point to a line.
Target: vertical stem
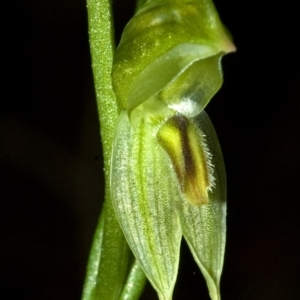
110	253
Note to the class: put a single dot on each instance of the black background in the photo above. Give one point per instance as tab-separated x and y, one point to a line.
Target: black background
51	159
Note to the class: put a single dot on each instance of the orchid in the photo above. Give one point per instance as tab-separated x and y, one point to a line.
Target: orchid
167	177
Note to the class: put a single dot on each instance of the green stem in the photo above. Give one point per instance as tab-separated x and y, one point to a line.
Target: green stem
107	267
110	255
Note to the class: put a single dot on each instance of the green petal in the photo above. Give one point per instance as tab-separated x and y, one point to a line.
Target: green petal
204	227
144	189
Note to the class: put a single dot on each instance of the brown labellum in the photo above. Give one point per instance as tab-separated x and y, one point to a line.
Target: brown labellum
185	146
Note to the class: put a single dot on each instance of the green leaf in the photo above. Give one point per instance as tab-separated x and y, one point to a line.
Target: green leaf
108	261
94	261
135	283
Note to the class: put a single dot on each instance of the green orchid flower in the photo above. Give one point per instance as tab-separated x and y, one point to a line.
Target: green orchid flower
167	172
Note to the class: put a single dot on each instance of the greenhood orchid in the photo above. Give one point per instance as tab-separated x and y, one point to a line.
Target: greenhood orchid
167	172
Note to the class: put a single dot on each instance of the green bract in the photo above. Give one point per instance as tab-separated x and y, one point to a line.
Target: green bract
167	172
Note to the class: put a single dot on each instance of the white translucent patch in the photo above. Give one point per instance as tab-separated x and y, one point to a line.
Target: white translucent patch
186	106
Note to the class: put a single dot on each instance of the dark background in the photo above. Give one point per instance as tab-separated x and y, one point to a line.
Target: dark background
51	160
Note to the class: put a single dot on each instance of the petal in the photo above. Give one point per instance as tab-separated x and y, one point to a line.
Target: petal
144	188
184	144
204	227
